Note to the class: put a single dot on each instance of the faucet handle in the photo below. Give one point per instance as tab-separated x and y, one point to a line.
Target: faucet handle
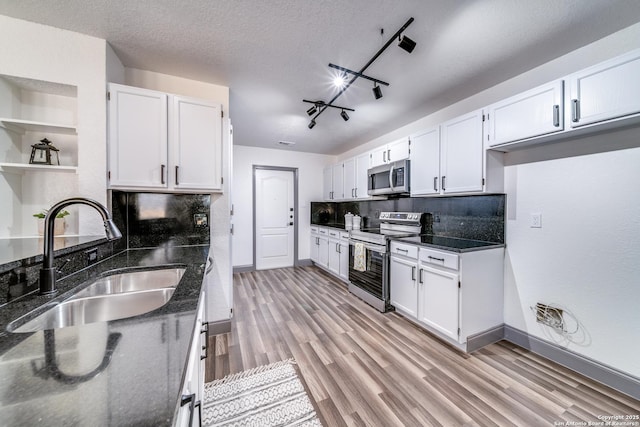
64	264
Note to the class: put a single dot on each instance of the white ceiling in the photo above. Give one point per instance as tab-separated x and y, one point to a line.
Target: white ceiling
272	54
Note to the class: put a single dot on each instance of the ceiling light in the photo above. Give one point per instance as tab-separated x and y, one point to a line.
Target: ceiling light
311	111
344	115
377	92
407	44
339	81
312	123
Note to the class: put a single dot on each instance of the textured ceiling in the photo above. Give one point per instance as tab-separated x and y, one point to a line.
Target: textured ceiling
272	54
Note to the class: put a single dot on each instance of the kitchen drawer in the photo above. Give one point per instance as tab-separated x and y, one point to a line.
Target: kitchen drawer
322	230
314	229
333	233
409	251
440	258
344	235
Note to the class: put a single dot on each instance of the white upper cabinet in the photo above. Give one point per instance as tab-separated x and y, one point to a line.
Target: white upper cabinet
338	182
152	146
394	151
425	163
137	137
355	177
461	154
197	151
327	183
533	113
605	91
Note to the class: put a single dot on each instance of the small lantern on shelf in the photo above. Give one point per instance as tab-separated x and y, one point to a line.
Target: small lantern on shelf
44	153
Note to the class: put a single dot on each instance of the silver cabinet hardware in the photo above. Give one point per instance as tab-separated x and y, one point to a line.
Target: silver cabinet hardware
556	115
575	110
443	187
162	174
177	167
436	259
435	183
413	273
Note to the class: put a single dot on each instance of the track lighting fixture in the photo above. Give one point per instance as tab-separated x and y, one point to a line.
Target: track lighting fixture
377	92
406	43
343	83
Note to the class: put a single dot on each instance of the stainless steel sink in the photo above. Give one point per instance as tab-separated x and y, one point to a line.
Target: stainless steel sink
112	297
80	311
133	281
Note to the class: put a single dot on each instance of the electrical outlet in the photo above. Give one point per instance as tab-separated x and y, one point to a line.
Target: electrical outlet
536	220
92	256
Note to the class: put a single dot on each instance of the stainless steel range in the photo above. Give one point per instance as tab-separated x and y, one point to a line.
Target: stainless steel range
370	280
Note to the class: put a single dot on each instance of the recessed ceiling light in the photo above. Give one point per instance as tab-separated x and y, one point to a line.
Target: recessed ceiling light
286	143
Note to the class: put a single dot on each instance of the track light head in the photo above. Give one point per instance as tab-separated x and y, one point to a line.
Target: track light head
344	115
312	123
377	92
311	111
407	44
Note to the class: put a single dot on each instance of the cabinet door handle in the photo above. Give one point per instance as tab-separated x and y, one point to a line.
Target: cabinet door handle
575	110
443	178
420	276
191	400
177	167
413	274
356	192
435	183
162	174
556	115
389	155
204	329
384	157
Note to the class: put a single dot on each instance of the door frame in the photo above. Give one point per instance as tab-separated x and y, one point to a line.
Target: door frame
295	208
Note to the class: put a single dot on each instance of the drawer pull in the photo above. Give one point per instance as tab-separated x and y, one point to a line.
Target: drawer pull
436	259
402	250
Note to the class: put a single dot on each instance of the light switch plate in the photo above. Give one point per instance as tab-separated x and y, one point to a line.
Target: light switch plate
535	220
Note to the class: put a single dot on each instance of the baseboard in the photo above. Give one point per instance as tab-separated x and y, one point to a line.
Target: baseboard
243	268
304	263
604	374
219	327
479	340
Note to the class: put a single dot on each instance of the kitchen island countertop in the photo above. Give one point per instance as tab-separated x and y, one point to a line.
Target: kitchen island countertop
141	381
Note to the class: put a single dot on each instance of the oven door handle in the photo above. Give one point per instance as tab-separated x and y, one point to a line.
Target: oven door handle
374	248
391	178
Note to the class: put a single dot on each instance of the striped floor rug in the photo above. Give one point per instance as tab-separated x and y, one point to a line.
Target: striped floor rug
270	395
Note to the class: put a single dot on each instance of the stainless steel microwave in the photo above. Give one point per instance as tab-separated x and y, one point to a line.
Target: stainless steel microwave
390	178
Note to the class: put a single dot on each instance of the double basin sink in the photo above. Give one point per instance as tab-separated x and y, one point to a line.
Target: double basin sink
113	297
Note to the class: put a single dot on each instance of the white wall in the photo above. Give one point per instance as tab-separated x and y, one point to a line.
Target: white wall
49	54
309	189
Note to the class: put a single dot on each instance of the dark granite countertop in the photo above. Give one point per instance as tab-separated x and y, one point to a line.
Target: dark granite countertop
141	383
331	225
453	244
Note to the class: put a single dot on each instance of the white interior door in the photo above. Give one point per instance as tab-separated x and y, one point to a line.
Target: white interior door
274	212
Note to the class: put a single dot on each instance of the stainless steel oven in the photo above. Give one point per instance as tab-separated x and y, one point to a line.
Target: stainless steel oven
372	284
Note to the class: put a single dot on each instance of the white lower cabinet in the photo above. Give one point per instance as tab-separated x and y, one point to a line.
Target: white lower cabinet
404	291
456	296
330	250
190	405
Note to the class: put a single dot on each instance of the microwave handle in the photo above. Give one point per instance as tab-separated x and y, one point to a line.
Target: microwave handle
391	178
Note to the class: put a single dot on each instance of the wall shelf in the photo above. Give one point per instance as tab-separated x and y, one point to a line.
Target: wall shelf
22	126
23	167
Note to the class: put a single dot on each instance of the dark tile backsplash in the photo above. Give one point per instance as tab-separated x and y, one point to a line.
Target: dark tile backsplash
155	219
467	217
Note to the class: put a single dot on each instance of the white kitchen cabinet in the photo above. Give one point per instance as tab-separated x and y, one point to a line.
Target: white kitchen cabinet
530	114
403	281
355	177
327	183
333	262
394	151
425	163
314	244
461	154
343	249
605	91
338	181
439	301
323	247
155	147
193	386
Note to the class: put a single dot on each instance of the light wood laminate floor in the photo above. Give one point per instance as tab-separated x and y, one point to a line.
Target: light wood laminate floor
366	368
